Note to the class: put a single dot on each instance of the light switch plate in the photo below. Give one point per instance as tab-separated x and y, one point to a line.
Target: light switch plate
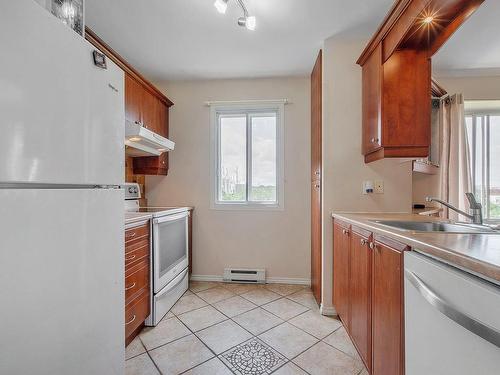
379	187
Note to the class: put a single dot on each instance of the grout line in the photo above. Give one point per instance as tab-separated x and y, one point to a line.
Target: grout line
340	350
154	363
213	352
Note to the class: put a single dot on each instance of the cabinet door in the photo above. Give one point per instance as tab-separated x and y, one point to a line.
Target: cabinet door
360	293
316	215
150	112
372	102
133	98
341	271
162	111
387	307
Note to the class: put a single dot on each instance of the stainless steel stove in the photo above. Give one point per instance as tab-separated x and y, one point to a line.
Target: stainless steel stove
169	231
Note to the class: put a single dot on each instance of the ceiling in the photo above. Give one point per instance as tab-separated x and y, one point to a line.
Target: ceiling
189	39
474	50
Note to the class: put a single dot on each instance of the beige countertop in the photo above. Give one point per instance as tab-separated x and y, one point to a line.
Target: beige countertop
136	217
476	253
427	211
132	217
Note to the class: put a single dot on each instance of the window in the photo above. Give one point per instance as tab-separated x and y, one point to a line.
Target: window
247	155
483	133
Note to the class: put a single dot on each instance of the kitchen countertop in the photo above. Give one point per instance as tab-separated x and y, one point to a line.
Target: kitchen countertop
476	253
134	217
427	211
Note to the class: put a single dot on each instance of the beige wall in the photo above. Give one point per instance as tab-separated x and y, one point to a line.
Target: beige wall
425	185
276	240
344	167
473	88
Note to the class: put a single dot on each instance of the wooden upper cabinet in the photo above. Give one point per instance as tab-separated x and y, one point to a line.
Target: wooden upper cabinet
372	102
396	105
341	246
133	99
396	67
387	307
144	104
162	118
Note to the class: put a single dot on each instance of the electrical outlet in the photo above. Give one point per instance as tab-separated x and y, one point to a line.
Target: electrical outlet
379	187
367	187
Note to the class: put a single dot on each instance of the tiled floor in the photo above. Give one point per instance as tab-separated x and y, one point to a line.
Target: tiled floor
219	329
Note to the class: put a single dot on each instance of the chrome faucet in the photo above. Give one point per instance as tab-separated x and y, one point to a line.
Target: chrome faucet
474	206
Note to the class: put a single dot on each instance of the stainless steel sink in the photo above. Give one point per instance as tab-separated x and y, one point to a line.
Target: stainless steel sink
429	226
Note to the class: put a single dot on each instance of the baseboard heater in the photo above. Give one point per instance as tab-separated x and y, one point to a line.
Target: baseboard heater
244	275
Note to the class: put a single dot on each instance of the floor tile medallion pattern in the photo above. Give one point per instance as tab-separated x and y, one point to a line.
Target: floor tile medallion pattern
253	358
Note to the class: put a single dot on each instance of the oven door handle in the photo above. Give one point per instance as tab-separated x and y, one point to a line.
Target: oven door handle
172	217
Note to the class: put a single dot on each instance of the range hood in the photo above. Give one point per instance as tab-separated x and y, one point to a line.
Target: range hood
143	142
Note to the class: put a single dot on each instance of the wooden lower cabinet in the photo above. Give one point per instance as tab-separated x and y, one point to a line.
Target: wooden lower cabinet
135	314
137	279
388	307
360	292
368	295
341	245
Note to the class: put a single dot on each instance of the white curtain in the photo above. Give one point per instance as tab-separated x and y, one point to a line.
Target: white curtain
455	166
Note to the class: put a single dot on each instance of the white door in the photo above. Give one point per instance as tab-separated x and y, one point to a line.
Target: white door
62	118
62	282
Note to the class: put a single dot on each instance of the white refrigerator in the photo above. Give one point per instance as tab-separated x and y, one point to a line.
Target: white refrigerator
61	205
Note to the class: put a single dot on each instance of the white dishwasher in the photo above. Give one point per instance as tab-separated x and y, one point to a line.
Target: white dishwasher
452	320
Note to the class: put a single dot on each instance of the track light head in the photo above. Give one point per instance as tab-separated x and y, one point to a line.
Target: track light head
221	6
249	22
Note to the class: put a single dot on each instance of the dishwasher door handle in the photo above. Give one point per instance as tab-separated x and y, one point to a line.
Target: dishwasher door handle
475	326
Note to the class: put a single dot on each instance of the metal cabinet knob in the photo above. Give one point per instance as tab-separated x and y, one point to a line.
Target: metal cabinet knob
374	140
363	242
345	231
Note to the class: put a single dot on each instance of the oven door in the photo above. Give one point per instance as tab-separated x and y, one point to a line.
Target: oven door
170	248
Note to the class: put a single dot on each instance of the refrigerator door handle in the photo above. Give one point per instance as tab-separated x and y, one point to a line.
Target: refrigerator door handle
475	326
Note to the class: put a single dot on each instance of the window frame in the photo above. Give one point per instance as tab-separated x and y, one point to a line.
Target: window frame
248	109
485	125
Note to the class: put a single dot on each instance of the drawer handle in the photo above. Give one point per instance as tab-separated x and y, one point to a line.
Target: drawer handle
130	287
131	320
130	258
131	235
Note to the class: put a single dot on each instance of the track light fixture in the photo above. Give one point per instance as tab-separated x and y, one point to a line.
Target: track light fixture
246	21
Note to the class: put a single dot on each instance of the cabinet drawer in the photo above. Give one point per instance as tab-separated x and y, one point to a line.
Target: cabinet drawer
136	280
137	232
136	313
138	253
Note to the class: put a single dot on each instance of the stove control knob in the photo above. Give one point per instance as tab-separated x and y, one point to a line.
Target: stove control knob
130	190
